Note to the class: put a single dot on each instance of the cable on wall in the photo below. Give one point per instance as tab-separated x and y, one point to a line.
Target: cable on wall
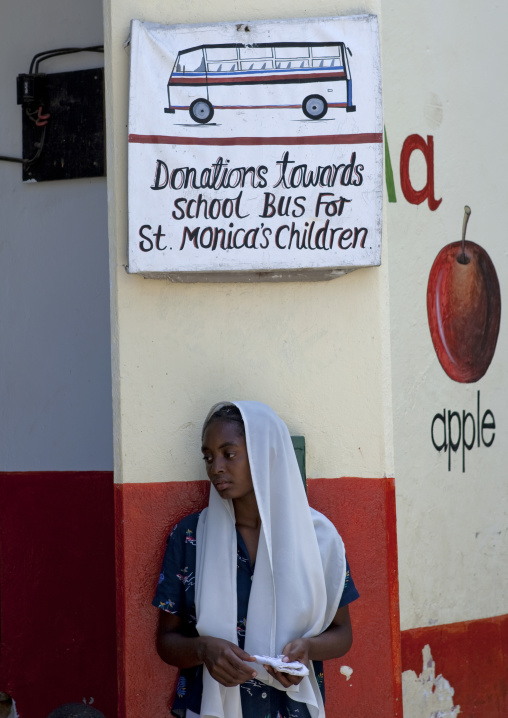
29	95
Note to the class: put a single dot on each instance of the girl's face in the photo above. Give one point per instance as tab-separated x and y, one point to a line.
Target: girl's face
226	459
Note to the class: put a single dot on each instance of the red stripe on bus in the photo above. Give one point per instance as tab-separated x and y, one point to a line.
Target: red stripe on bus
221	79
363	138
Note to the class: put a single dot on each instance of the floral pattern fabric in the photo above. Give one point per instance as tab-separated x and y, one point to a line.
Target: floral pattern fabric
175	594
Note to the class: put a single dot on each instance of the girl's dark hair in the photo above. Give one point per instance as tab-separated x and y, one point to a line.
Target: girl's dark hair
228	412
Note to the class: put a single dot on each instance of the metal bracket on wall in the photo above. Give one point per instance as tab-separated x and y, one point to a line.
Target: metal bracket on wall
63	120
71	110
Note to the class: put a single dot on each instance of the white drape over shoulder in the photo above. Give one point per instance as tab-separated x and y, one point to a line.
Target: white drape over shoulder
300	565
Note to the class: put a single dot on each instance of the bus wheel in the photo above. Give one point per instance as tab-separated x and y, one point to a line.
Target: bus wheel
314	107
201	111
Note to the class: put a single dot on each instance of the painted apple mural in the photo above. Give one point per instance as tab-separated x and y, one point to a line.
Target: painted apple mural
464	308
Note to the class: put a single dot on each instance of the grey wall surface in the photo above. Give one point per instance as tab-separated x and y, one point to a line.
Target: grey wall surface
55	375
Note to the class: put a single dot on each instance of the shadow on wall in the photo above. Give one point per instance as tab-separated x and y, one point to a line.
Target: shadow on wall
68	710
7	706
76	710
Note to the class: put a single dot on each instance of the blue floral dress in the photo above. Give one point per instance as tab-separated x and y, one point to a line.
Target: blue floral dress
175	594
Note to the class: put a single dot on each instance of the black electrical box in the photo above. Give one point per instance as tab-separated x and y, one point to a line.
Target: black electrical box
73	137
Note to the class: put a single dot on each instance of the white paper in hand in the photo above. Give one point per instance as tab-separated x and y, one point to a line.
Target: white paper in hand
295	668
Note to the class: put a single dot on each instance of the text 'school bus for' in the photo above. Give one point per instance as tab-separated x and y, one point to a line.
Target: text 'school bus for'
310	75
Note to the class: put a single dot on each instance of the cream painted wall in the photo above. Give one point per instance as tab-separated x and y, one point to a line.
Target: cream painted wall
444	75
317	352
320	353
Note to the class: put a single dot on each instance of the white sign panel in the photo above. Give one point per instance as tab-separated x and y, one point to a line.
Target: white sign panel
255	151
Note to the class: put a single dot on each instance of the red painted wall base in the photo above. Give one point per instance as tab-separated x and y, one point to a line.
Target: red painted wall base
57	591
364	512
472	656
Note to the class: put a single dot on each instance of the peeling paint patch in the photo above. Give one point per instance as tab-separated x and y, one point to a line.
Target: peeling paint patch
346	671
427	696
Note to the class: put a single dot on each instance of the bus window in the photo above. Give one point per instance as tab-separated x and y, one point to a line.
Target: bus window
326	51
292	64
327	62
292	53
191	62
222	66
258	65
256	53
221	54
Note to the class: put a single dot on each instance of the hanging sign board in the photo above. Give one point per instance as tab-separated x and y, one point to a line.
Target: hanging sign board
255	151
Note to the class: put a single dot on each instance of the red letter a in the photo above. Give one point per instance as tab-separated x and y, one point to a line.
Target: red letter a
412	143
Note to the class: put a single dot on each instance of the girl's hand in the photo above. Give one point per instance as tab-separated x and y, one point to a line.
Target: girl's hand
225	661
297	650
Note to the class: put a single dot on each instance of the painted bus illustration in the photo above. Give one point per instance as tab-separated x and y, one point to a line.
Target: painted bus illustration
313	76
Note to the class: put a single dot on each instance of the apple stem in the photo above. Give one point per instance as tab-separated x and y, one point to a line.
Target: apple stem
467	213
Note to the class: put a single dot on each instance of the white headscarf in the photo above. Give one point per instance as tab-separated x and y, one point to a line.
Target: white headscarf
300	565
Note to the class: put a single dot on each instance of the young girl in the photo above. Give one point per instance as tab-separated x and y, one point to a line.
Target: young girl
258	572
